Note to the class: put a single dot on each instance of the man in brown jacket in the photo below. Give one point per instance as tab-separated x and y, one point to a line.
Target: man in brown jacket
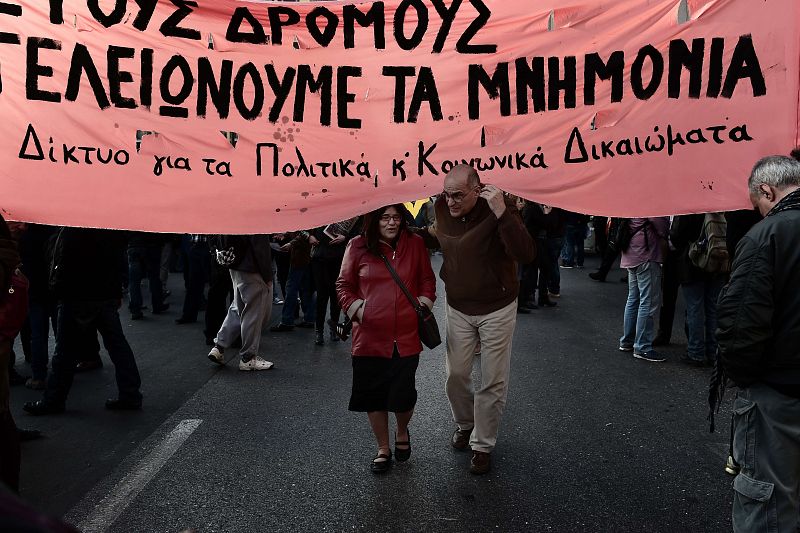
482	240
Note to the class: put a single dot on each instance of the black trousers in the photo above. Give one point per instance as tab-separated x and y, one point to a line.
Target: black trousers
75	319
197	272
542	269
9	437
325	272
669	294
607	262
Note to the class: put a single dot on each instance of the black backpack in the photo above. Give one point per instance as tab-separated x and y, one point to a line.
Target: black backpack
620	234
229	250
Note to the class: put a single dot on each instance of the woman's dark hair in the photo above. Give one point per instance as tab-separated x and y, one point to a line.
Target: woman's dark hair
372	230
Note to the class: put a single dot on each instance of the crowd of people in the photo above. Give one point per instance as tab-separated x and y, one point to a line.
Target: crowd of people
372	276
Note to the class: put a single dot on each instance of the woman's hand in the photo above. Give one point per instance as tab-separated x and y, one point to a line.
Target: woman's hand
338	239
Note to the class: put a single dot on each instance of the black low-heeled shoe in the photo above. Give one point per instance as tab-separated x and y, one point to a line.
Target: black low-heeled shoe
379	467
403	454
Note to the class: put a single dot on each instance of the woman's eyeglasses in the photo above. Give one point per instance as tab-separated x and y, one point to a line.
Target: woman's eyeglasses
394	218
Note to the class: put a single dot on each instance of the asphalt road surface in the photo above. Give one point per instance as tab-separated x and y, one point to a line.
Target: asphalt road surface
591	440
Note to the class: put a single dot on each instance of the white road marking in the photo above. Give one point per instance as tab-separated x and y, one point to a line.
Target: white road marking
123	493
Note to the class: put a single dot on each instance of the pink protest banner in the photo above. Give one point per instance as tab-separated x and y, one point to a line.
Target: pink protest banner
340	107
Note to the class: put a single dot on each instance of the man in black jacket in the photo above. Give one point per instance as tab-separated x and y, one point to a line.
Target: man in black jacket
87	282
759	340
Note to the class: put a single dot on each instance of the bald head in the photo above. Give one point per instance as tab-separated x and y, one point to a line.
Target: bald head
461	189
462	176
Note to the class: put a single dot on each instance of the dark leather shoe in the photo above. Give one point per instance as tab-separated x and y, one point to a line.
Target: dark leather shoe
382	463
402	454
547	303
161	309
116	404
597	276
319	338
460	439
281	327
137	316
29	434
184	320
481	463
41	407
85	366
306	325
523	310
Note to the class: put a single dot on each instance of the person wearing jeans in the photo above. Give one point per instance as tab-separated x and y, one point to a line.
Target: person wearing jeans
299	282
575	233
642	259
644	299
700	292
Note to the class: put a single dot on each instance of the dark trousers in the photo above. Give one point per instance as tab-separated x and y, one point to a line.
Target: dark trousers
573	252
41	314
299	283
325	272
607	262
541	270
75	318
144	262
9	438
600	236
197	275
282	263
527	282
554	246
220	290
669	294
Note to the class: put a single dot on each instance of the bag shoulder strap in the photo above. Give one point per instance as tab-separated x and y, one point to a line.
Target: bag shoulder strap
414	303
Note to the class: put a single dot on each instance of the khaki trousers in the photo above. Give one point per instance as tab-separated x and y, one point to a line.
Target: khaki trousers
482	409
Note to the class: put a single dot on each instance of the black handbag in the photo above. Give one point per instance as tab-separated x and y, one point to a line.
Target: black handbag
428	328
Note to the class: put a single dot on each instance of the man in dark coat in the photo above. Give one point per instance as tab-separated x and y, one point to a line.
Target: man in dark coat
759	341
88	285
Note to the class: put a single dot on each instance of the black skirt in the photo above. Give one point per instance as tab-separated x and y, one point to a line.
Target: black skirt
382	384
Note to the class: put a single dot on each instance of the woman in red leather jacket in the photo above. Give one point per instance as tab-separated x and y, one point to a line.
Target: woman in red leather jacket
386	343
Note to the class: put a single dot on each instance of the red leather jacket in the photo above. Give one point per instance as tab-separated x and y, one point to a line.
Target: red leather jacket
388	316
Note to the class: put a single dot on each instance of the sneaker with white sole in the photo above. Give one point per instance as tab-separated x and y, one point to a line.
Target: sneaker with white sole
217	354
625	348
255	363
652	356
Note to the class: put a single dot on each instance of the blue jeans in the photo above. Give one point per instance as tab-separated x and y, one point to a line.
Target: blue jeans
644	298
573	253
701	317
299	281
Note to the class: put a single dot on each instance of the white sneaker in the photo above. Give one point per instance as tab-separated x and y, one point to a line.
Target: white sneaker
217	355
256	363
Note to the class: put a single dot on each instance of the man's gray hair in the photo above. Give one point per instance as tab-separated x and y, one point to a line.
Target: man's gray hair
779	171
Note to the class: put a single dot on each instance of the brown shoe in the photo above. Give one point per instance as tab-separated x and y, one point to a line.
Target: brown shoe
481	463
460	439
